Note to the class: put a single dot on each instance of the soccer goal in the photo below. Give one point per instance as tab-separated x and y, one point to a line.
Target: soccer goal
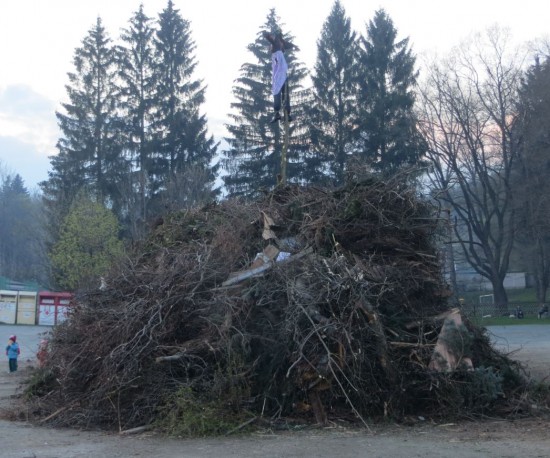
487	299
486	305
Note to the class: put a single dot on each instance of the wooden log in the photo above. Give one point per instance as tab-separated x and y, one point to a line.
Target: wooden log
241	426
237	277
382	342
160	359
136	430
53	415
410	344
317	407
243	275
436	318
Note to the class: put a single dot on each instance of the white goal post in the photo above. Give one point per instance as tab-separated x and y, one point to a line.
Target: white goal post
487	299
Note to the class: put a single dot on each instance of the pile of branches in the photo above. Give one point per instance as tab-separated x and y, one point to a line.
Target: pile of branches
310	303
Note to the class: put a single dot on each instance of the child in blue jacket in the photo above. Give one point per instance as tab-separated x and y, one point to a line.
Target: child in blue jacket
12	352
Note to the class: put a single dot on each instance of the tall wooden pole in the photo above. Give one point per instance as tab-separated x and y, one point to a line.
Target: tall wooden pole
284	153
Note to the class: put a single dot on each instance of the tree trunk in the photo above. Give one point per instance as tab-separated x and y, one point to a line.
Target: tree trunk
500	296
541	288
540	267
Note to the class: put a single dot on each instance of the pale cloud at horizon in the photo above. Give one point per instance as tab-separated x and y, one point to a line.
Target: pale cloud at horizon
19	157
28	133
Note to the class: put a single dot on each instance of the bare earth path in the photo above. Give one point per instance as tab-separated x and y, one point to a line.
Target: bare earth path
525	438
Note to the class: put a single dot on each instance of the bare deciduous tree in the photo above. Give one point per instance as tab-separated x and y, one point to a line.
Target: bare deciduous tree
467	112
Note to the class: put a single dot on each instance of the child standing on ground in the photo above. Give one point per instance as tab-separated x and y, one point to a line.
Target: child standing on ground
12	352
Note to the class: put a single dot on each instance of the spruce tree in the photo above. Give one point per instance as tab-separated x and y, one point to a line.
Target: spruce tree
334	87
137	103
182	147
90	125
89	149
253	159
387	126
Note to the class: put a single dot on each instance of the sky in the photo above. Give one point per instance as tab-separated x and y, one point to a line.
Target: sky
38	39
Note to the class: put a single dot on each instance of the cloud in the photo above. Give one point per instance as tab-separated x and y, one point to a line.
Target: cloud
19	157
28	133
28	116
21	100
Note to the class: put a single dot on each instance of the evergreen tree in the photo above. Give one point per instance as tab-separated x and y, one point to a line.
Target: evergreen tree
387	126
137	102
334	86
253	159
22	233
181	141
530	180
64	182
89	149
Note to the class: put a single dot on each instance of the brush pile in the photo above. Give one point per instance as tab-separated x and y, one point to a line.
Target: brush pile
309	304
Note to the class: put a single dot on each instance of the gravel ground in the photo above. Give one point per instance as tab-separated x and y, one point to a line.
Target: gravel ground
529	344
502	439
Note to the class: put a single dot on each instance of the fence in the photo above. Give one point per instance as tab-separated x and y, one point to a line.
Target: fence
529	309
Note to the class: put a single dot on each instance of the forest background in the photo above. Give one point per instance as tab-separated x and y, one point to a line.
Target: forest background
469	132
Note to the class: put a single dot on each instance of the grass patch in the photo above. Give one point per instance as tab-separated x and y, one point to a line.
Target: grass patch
506	321
41	382
189	415
514	295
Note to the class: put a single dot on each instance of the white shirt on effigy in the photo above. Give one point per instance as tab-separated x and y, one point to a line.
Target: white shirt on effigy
280	68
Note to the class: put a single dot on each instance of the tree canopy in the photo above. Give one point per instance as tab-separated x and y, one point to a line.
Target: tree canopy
22	233
334	107
88	244
387	124
134	136
529	180
132	131
468	115
253	159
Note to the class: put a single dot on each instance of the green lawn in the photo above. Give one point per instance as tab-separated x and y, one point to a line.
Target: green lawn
525	298
514	295
505	321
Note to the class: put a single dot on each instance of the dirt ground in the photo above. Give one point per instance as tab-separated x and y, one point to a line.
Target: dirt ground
525	438
529	344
